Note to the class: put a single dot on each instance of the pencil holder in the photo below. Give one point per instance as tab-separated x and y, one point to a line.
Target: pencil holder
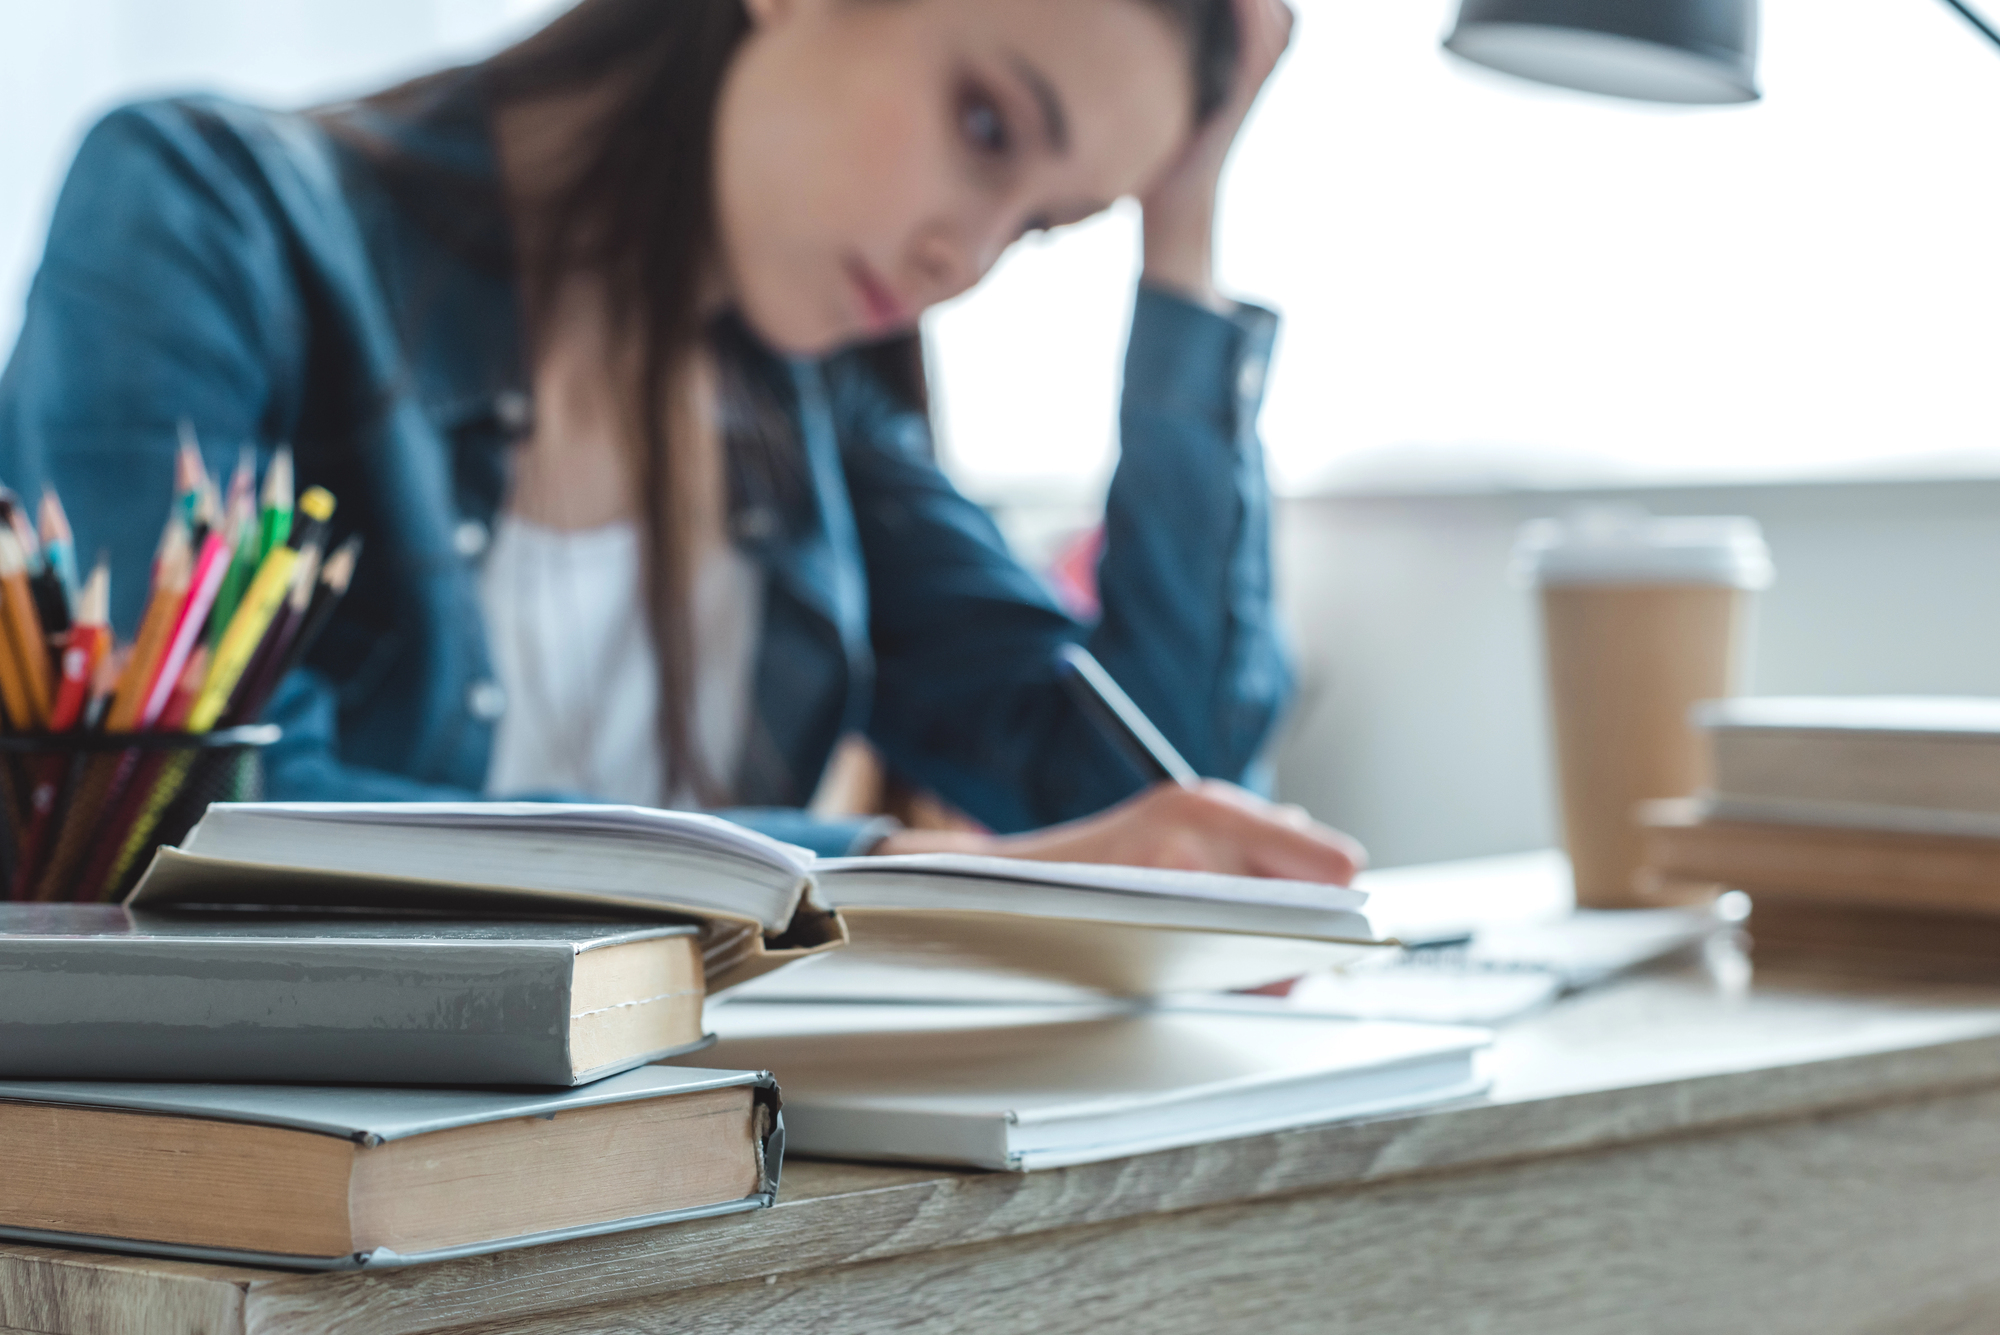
83	812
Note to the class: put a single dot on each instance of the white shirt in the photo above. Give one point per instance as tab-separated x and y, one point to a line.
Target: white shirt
566	622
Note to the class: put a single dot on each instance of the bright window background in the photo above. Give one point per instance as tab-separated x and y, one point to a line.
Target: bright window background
65	62
1483	283
1488	283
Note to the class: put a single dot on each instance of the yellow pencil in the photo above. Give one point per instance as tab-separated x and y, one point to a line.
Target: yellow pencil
253	615
24	628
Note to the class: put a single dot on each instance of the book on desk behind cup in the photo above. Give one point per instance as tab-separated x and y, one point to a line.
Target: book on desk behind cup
1851	822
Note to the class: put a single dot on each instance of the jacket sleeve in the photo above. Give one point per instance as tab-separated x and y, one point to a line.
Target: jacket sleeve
967	698
166	295
162	297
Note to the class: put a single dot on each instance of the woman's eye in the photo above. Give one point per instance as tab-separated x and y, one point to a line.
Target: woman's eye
980	121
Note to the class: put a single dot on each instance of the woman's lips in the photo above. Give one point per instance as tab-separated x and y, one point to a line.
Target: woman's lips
883	312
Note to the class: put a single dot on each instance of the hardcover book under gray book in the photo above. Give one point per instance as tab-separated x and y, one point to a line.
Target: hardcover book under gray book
92	992
333	1178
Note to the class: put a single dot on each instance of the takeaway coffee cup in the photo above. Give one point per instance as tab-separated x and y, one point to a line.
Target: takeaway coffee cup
1642	616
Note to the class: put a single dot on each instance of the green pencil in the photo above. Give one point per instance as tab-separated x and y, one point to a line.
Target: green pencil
245	540
274	520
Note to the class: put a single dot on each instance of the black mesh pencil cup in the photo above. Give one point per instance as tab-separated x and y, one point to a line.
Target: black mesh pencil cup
81	813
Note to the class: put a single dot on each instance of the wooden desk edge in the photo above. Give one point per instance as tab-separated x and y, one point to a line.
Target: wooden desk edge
834	1214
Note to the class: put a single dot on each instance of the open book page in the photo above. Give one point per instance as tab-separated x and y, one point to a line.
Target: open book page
1142	896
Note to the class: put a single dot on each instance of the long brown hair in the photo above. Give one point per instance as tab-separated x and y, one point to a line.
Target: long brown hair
638	212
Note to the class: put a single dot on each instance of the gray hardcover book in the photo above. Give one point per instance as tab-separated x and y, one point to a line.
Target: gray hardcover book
340	1178
92	992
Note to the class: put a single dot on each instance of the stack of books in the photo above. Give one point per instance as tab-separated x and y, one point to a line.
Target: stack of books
328	1091
334	1035
1858	825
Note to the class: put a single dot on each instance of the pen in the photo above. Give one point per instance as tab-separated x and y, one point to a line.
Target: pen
1107	706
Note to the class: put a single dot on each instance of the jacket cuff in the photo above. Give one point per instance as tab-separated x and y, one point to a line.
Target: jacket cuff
1187	358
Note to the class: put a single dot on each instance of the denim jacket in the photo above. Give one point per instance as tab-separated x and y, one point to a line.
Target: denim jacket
248	272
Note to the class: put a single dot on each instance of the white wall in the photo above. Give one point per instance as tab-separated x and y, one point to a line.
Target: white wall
1421	726
64	62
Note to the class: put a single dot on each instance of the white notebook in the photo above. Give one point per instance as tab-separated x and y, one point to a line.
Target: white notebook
1024	1088
1122	930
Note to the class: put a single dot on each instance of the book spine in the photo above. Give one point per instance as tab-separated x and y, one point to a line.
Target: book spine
313	1012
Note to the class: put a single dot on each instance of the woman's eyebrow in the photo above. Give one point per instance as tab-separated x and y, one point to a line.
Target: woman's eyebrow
1055	122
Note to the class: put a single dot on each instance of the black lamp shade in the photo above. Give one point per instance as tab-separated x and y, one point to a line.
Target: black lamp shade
1687	51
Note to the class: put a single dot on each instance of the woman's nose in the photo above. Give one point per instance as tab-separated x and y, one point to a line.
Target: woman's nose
949	257
941	264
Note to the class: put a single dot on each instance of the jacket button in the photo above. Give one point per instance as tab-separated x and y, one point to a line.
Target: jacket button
1250	379
513	409
487	700
469	538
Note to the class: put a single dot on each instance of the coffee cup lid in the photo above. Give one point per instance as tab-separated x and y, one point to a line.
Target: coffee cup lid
1620	544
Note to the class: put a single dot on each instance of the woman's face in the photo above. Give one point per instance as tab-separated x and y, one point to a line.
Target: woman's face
873	159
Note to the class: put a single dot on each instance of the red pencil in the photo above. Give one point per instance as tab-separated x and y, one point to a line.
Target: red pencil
210	567
89	642
83	662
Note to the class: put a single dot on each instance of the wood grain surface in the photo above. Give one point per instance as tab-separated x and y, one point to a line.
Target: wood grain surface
1662	1138
1875	1222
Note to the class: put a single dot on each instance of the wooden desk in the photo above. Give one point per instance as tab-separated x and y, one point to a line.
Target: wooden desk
1674	1153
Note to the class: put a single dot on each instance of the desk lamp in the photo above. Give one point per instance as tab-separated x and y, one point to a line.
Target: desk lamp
1688	51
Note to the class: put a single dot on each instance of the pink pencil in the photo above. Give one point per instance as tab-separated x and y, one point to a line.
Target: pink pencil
209	568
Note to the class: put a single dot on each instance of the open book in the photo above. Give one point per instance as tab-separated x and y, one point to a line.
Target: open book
762	903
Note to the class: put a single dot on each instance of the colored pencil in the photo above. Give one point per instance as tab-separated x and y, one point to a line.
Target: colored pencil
58	542
15	511
210	567
240	523
190	473
25	638
83	661
55	584
274	515
335	575
163	612
260	675
89	643
260	604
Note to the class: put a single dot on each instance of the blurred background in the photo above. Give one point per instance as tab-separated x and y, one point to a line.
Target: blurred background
1500	301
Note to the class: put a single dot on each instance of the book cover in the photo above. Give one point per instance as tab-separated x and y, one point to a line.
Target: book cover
96	992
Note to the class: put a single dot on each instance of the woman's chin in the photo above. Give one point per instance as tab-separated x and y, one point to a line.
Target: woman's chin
793	332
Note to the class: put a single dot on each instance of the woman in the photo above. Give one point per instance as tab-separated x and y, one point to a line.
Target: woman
606	345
